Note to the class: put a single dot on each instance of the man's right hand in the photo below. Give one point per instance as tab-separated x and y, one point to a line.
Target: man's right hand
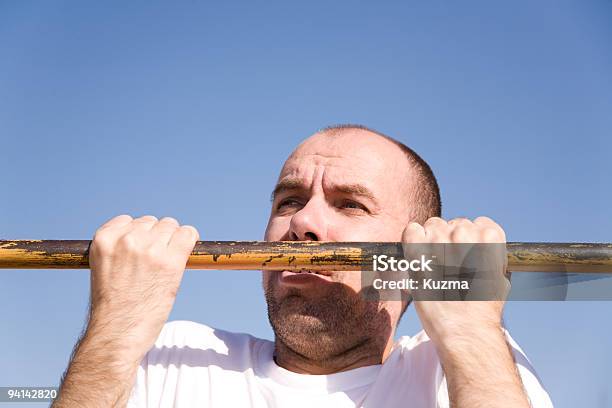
136	269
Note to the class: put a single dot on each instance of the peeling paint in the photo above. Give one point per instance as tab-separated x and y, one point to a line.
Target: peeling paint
313	255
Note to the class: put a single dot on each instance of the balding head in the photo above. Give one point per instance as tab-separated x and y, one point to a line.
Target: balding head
424	193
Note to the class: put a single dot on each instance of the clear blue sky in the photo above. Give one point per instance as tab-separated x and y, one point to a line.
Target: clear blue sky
188	109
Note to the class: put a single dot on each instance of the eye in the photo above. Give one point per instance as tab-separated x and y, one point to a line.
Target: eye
288	203
353	206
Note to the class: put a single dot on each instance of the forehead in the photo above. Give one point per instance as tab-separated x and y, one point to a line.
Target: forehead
352	156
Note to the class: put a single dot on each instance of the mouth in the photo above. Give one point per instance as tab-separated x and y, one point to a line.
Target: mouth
310	271
304	277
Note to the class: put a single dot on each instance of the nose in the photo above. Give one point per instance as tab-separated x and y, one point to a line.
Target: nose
309	224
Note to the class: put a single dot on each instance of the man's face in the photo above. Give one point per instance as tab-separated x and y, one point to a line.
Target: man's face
353	186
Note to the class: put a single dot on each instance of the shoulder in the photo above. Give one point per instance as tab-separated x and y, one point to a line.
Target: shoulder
531	381
421	354
195	344
419	349
183	333
187	353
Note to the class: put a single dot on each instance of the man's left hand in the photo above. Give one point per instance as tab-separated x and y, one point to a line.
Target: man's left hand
443	319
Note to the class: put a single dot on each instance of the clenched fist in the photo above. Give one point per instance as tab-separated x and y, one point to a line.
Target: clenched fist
442	320
136	269
474	353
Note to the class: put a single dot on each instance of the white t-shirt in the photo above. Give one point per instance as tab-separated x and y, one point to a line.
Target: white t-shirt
193	365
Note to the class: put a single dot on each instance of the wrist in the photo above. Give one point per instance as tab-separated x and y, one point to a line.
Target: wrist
128	336
441	330
483	359
119	349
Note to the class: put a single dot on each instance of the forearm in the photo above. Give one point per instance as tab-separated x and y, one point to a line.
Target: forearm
136	269
99	375
480	371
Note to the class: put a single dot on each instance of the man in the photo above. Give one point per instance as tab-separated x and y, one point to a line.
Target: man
332	347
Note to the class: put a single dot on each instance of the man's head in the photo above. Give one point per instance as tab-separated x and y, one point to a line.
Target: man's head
344	183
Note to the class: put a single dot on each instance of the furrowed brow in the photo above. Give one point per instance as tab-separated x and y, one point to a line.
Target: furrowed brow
355	189
291	184
287	184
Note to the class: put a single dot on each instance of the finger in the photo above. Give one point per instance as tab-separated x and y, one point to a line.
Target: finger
484	221
490	231
464	234
437	230
413	233
105	237
434	222
183	240
144	223
414	243
117	222
459	221
493	235
164	229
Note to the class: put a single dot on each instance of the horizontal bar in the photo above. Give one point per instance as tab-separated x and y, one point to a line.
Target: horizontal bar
311	255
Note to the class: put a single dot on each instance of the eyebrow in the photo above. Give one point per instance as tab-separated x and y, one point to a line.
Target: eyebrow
290	184
287	184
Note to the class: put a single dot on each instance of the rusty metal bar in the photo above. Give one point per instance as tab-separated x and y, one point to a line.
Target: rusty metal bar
297	255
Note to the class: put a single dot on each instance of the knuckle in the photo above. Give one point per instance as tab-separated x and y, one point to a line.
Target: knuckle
491	234
433	221
104	243
190	231
162	229
460	221
152	253
116	220
460	233
187	228
123	216
157	260
484	220
146	219
129	243
100	234
413	229
169	220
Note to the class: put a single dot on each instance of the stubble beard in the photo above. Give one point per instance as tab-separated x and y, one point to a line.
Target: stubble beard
328	327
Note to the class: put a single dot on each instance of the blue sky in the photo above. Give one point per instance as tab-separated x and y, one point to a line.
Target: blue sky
188	109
